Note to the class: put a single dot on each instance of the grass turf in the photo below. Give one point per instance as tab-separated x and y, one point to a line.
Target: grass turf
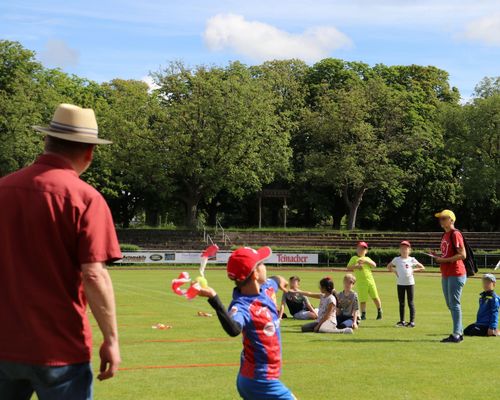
195	359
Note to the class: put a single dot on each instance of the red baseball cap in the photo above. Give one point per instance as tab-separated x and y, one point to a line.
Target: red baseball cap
243	261
405	243
362	244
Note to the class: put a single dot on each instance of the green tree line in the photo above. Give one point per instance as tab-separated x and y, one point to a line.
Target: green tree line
376	147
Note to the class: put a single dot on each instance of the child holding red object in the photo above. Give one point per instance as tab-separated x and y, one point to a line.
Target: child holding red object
254	314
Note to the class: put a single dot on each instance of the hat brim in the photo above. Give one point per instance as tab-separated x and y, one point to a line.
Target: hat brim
264	253
71	137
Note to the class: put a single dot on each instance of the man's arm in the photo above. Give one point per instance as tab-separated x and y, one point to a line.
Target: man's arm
100	296
461	255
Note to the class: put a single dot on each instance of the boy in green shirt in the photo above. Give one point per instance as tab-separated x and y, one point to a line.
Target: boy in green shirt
362	267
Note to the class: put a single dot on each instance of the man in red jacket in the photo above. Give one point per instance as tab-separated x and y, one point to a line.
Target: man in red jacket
56	236
453	271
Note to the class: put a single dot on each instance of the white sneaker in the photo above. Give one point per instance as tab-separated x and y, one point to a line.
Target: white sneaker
348	331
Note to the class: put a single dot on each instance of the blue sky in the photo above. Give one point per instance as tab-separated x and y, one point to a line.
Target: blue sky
103	39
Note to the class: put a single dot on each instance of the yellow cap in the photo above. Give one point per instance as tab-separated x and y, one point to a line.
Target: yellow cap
446	213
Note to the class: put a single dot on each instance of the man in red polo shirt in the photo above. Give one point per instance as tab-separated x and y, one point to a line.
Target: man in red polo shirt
56	236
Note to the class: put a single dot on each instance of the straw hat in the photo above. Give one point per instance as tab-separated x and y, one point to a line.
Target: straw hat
73	123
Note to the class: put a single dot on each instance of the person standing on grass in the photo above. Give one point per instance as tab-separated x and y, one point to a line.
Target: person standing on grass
56	235
453	271
300	307
404	266
254	314
362	267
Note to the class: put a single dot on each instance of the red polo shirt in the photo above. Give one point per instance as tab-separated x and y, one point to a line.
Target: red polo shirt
51	222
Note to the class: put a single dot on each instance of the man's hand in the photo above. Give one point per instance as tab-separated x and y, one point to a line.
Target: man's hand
110	359
492	332
439	260
207	292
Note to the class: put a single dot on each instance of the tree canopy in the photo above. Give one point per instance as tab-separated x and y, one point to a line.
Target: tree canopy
379	147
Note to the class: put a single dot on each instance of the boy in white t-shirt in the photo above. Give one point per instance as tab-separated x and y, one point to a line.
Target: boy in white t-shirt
404	266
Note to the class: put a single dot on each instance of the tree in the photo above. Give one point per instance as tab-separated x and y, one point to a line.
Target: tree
356	132
220	132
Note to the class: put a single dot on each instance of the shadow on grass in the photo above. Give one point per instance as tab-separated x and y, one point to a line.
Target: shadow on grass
362	340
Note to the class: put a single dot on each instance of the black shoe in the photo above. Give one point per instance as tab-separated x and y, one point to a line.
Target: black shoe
451	339
400	324
379	315
461	338
363	316
410	325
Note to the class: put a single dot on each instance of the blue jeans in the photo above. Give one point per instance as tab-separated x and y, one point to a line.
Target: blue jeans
19	381
452	290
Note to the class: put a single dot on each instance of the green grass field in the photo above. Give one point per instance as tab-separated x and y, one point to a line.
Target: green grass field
195	359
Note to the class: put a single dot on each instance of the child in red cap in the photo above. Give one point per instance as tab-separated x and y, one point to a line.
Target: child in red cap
362	266
253	312
404	266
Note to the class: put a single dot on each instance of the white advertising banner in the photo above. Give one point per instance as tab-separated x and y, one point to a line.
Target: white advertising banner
173	257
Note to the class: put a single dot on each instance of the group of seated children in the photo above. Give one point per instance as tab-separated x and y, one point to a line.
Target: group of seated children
337	313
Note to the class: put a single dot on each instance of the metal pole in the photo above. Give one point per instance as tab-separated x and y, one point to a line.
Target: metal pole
260	211
284	209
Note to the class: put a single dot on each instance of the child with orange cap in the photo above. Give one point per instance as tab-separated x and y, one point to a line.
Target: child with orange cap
253	313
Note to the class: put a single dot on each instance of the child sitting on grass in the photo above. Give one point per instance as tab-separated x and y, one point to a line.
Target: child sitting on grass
362	267
299	305
487	316
348	305
327	314
253	312
404	266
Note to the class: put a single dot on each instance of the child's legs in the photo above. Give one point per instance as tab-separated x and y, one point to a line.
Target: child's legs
344	321
410	292
309	327
304	315
328	327
362	295
476	330
257	389
401	298
373	292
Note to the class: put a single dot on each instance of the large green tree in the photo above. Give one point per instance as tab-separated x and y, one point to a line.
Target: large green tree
221	132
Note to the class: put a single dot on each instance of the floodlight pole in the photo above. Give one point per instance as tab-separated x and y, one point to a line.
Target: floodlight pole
285	207
260	211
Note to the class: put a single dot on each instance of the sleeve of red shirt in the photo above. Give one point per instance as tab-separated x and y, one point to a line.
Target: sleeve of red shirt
97	240
459	240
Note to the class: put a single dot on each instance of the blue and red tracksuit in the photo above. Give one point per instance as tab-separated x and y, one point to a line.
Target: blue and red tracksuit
261	356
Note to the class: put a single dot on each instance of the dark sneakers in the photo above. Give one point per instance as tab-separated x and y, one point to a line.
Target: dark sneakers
453	339
379	314
401	324
410	325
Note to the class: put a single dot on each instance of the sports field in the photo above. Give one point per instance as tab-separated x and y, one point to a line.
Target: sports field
195	359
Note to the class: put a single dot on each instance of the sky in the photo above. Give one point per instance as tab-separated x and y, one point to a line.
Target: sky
107	39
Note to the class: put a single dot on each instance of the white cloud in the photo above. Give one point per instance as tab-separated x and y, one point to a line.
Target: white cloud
58	54
260	41
485	30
